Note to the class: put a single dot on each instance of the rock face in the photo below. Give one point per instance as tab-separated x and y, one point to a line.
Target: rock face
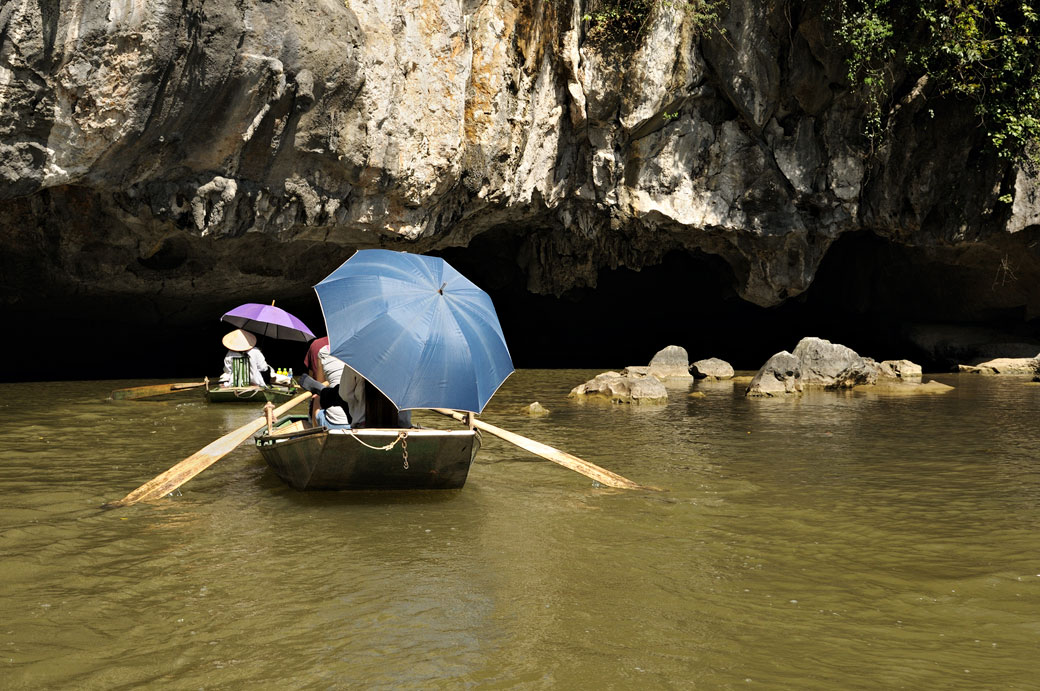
622	388
181	152
711	368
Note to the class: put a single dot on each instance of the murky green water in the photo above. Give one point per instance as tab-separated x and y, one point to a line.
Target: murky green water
834	542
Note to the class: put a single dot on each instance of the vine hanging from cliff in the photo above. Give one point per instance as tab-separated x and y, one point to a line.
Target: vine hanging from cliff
983	50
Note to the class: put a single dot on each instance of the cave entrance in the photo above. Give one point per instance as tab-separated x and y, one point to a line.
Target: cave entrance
687	300
882	299
872	295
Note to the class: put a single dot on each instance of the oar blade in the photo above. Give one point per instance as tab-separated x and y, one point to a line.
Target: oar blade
136	392
163	484
191	466
570	461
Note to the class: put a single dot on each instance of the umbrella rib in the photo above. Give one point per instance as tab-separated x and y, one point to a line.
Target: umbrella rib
473	322
444	314
480	310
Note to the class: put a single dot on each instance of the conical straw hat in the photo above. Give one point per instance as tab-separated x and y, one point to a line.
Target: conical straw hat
239	340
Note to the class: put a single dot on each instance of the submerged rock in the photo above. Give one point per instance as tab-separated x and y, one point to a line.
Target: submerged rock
954	345
622	388
896	388
536	409
1004	365
711	368
869	372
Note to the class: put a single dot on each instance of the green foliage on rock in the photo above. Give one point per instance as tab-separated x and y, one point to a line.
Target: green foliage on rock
984	50
622	21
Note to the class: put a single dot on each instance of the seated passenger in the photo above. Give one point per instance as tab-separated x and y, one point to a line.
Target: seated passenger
349	385
244	364
341	404
351	396
312	366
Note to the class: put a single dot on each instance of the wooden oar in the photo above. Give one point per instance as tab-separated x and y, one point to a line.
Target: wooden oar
191	466
153	390
600	475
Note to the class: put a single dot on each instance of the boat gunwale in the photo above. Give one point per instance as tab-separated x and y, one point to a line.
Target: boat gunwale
361	432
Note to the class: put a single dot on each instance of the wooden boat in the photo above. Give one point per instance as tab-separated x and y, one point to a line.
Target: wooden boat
367	459
250	394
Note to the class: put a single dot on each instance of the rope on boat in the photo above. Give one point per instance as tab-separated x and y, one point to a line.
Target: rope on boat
400	436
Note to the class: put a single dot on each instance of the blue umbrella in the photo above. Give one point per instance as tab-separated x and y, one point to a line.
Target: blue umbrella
416	328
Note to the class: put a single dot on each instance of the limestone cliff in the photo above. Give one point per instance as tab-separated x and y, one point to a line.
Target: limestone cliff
192	152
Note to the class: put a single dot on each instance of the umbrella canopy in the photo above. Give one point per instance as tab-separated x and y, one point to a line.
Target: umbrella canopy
268	320
416	328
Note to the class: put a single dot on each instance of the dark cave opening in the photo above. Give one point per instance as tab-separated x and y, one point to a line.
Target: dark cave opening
628	316
868	294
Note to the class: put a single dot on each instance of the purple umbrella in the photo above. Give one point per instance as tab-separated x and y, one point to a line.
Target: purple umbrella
268	320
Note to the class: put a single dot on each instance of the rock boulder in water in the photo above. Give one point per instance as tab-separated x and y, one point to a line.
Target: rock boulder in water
822	361
780	376
899	369
711	368
622	388
536	409
671	363
1004	365
819	363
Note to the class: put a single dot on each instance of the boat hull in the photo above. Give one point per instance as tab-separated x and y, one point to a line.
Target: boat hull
250	394
317	459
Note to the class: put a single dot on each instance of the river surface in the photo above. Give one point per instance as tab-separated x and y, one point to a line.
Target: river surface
837	541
